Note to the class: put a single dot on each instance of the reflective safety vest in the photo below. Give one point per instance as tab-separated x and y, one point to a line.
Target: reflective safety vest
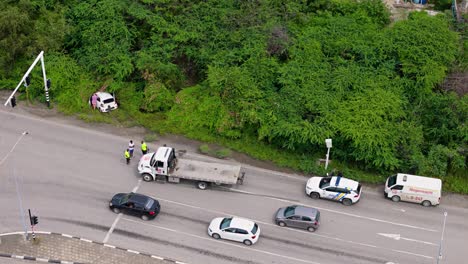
127	154
144	147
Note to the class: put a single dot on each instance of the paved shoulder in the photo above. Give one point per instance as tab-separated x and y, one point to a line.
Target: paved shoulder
62	248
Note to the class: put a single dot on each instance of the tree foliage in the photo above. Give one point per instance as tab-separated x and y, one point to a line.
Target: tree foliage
287	73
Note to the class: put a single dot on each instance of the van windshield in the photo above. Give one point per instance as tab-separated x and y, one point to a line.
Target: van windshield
391	181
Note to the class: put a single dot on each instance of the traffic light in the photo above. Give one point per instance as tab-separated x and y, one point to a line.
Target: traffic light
34	220
13	101
48	83
27	81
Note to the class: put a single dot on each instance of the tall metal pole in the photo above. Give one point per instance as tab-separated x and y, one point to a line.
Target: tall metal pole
45	81
439	257
18	193
24	76
20	202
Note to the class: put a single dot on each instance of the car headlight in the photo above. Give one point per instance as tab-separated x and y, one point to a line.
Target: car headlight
110	204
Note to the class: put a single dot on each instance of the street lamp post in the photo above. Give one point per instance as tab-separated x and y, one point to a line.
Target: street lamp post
18	192
439	257
328	142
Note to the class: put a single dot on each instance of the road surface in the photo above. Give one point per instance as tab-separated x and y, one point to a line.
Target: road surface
66	175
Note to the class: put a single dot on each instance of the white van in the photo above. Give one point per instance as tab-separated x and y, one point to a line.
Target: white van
412	188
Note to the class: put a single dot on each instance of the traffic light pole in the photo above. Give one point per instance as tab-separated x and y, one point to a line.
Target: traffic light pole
41	58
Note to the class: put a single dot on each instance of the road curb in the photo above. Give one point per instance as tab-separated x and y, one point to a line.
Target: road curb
4	255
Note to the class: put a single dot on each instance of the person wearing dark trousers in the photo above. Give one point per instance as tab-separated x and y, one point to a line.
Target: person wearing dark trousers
127	156
144	147
131	148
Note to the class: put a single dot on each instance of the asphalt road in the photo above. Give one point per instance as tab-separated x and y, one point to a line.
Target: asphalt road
66	175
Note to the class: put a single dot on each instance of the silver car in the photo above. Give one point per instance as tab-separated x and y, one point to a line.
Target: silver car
298	216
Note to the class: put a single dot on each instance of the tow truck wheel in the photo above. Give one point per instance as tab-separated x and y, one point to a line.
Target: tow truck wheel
202	185
147	177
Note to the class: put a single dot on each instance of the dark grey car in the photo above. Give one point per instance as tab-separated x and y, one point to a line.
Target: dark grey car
298	216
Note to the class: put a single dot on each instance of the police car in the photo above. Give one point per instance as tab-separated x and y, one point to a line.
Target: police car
335	188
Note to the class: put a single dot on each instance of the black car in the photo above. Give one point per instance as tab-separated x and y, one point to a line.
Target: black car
135	204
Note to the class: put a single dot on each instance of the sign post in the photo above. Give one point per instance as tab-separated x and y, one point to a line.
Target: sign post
328	142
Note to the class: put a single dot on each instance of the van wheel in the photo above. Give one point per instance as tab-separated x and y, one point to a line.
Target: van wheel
396	198
202	185
147	177
247	242
314	195
347	202
426	203
311	229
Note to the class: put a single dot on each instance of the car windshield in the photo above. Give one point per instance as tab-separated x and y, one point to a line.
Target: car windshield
254	229
149	204
325	182
225	223
391	181
124	199
108	101
289	211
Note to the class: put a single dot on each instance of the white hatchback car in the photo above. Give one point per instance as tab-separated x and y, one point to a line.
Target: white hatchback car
234	228
105	102
335	188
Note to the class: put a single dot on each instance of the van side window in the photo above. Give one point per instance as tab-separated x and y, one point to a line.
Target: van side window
397	187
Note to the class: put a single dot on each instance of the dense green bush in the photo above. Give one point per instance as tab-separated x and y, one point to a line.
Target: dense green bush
270	78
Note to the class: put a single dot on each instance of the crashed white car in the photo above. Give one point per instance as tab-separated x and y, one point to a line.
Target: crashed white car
105	102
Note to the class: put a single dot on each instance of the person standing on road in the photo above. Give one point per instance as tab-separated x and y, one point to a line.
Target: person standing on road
131	148
144	147
127	156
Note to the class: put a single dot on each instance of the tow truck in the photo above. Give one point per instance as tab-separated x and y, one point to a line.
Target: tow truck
164	165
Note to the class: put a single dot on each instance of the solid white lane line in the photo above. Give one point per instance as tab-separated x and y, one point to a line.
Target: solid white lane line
112	228
338	212
119	216
269	224
289	229
222	242
414	254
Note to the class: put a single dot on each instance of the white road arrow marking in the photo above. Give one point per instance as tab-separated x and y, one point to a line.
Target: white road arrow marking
398	237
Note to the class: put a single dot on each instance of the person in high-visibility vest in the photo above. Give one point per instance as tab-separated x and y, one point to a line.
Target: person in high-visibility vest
127	156
144	147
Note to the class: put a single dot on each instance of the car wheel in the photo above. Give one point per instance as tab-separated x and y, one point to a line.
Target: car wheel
202	185
396	198
116	210
311	229
216	236
426	203
347	202
145	217
247	242
314	195
281	223
147	177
